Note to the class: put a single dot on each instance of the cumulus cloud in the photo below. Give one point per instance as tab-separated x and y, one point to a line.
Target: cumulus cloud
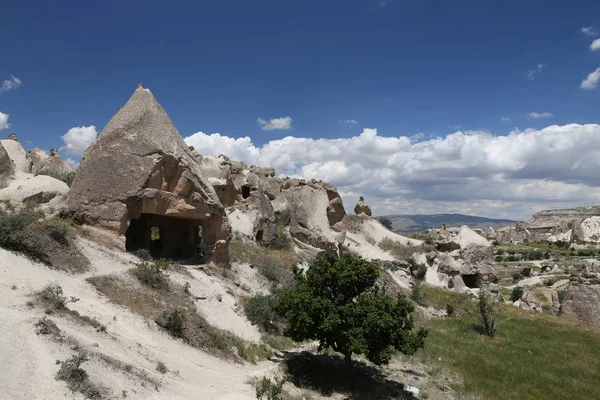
536	115
12	83
282	123
4	121
595	45
78	139
472	172
348	122
531	74
592	80
589	30
505	119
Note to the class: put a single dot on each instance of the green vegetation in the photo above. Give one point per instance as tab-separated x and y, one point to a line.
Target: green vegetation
66	177
339	303
274	264
173	321
153	274
516	293
77	379
386	222
51	297
161	367
268	389
259	311
398	250
533	356
488	312
17	233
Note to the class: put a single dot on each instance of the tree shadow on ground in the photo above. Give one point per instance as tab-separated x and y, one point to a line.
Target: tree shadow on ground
329	374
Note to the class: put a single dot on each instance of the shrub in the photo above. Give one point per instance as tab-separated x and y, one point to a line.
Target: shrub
76	378
161	367
498	258
269	389
386	222
280	241
561	295
52	298
153	274
516	293
500	252
57	229
16	234
416	293
339	303
450	311
526	271
173	321
488	312
283	217
278	342
549	282
419	271
66	177
516	276
259	311
512	258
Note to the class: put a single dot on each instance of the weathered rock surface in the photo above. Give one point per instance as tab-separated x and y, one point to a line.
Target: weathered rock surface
528	301
217	170
17	155
581	302
38	189
42	163
362	208
140	166
7	168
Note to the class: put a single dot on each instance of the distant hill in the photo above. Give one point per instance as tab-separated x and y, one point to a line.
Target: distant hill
421	222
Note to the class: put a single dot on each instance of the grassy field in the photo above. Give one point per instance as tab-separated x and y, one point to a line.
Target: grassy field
532	356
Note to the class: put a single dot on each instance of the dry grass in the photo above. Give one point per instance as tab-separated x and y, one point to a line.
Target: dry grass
274	264
159	304
400	251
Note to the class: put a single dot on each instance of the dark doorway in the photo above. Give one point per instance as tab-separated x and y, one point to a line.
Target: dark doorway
259	236
245	192
164	237
472	280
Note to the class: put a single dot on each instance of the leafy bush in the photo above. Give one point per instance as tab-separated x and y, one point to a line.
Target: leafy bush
526	271
416	293
498	258
516	293
161	367
76	378
450	311
516	276
500	252
512	258
419	271
66	177
280	241
283	217
52	298
488	312
16	234
57	229
173	321
386	222
269	389
153	274
339	303
259	311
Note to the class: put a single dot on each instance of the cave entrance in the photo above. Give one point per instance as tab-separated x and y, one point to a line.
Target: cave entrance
165	237
245	192
259	236
472	280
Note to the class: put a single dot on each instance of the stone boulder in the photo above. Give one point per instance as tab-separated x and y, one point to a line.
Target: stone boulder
309	220
528	301
38	189
217	170
362	208
140	177
581	302
42	163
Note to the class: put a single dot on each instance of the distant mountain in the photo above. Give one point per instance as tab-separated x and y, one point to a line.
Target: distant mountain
420	222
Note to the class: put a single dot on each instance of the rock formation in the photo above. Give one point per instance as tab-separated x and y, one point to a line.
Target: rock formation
362	208
52	165
140	175
7	167
581	302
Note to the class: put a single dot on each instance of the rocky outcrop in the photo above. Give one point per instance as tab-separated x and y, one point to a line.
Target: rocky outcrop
17	155
217	170
140	174
528	301
7	168
581	302
42	163
362	208
309	219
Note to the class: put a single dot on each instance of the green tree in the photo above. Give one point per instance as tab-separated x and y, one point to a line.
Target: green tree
340	303
385	222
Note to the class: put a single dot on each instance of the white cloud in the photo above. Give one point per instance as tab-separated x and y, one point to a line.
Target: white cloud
505	119
531	73
592	80
72	163
595	45
383	3
535	115
78	139
4	121
282	123
12	83
472	172
589	30
348	122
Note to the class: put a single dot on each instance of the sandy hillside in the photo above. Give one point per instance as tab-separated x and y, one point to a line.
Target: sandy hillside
129	339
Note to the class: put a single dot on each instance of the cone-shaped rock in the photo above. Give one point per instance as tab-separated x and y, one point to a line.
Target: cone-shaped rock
141	180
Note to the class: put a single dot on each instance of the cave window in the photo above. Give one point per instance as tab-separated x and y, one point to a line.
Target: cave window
259	236
245	192
472	280
154	233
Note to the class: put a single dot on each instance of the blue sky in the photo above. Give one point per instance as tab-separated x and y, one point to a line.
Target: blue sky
403	67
